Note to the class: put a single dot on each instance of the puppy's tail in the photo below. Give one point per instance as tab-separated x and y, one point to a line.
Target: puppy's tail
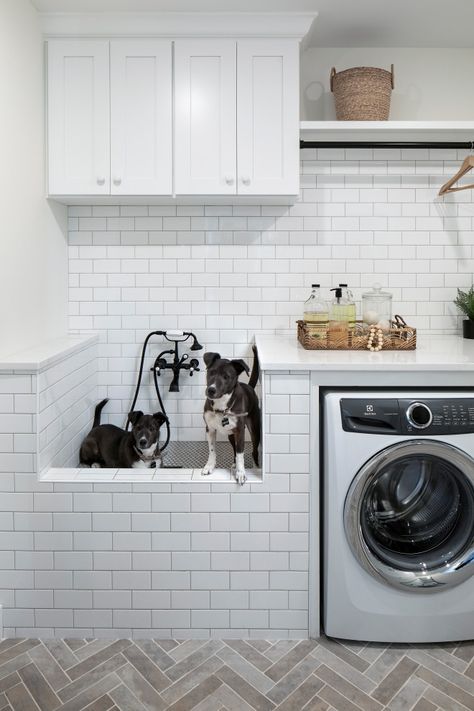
253	380
98	410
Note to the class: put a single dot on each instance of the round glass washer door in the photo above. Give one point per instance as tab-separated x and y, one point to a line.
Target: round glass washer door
409	515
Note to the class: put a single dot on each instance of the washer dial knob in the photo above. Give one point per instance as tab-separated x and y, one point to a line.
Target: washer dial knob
419	415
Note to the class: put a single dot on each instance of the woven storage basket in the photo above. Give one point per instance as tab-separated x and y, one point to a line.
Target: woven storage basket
362	93
396	339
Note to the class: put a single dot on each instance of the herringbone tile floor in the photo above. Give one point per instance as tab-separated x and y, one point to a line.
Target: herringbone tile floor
233	675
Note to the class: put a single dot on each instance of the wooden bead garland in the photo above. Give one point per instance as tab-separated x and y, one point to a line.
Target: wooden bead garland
375	334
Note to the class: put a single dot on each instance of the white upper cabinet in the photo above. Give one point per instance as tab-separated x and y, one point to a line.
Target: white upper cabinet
267	117
222	119
78	117
236	117
141	117
205	117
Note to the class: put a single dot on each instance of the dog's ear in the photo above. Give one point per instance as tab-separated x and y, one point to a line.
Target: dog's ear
209	358
160	418
239	366
134	416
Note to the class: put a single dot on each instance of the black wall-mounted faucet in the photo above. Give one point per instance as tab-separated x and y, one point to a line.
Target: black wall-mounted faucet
177	363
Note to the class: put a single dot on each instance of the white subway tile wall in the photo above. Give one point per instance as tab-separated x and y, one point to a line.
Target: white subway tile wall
229	272
67	393
191	559
117	559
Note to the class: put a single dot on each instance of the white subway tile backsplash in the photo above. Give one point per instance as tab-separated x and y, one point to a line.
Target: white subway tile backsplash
104	558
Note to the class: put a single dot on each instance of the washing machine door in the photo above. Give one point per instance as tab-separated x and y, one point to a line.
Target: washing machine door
409	515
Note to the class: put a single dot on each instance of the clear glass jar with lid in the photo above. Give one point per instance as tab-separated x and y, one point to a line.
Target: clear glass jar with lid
377	307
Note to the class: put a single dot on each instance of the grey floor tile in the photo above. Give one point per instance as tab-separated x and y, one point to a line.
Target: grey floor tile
234	675
49	667
302	695
293	679
394	680
349	690
191	679
196	695
39	688
288	661
246	670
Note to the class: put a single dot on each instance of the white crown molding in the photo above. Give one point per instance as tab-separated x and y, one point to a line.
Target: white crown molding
177	24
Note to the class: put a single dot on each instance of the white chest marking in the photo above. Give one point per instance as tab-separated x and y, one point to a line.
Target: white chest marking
140	464
214	421
221	403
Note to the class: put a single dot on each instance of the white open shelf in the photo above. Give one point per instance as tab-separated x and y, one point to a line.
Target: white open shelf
387	130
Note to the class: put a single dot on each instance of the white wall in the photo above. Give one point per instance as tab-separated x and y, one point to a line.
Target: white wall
430	84
230	272
33	247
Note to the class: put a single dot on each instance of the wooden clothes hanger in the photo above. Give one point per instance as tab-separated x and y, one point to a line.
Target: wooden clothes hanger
467	165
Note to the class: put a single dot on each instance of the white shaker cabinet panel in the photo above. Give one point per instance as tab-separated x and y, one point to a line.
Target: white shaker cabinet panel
268	117
205	117
141	117
78	117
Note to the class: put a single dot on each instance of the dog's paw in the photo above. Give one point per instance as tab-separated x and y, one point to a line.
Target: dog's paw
95	465
208	469
240	476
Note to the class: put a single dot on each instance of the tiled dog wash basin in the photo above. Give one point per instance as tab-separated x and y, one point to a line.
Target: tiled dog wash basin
182	461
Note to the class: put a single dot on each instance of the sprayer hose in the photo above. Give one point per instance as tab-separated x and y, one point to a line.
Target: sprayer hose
137	389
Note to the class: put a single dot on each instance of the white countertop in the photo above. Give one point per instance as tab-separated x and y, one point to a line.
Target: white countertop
45	354
433	353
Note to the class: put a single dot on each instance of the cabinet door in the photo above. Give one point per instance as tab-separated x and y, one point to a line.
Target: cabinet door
268	117
78	117
205	115
141	117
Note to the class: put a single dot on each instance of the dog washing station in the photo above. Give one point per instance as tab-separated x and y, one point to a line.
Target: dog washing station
147	552
66	379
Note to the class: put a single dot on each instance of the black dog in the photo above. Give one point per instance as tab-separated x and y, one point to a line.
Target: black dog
230	407
111	446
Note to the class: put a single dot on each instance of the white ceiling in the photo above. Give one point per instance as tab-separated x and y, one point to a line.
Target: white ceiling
341	23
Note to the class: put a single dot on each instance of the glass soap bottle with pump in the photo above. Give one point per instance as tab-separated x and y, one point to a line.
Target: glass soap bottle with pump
315	314
338	328
348	296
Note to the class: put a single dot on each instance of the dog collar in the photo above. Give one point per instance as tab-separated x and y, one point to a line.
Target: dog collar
227	409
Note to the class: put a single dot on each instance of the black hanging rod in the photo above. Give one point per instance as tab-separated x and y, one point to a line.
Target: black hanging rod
461	145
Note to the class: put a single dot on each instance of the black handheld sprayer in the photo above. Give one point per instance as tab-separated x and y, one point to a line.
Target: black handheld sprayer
161	363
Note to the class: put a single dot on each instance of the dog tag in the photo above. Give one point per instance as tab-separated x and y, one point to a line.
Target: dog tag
225	421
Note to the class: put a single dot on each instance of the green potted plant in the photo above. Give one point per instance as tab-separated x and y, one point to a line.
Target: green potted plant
465	303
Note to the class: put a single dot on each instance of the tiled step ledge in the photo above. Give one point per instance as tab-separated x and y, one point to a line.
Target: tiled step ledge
45	355
132	476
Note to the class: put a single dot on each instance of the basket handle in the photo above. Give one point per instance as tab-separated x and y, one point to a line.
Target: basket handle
331	78
393	76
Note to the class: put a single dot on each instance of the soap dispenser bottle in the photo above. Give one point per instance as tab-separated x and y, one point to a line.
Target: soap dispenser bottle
315	314
348	297
338	328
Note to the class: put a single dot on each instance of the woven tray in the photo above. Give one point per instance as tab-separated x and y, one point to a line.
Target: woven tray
397	339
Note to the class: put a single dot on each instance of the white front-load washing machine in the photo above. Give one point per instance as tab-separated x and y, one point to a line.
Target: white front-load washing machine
398	513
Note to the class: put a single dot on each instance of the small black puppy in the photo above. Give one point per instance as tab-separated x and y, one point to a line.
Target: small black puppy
111	446
230	407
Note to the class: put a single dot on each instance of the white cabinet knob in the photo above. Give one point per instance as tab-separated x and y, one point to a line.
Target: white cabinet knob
100	180
117	180
229	180
246	180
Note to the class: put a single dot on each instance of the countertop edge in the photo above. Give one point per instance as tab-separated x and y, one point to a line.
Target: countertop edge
38	358
437	353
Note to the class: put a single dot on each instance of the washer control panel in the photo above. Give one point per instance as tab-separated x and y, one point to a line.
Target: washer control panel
433	416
